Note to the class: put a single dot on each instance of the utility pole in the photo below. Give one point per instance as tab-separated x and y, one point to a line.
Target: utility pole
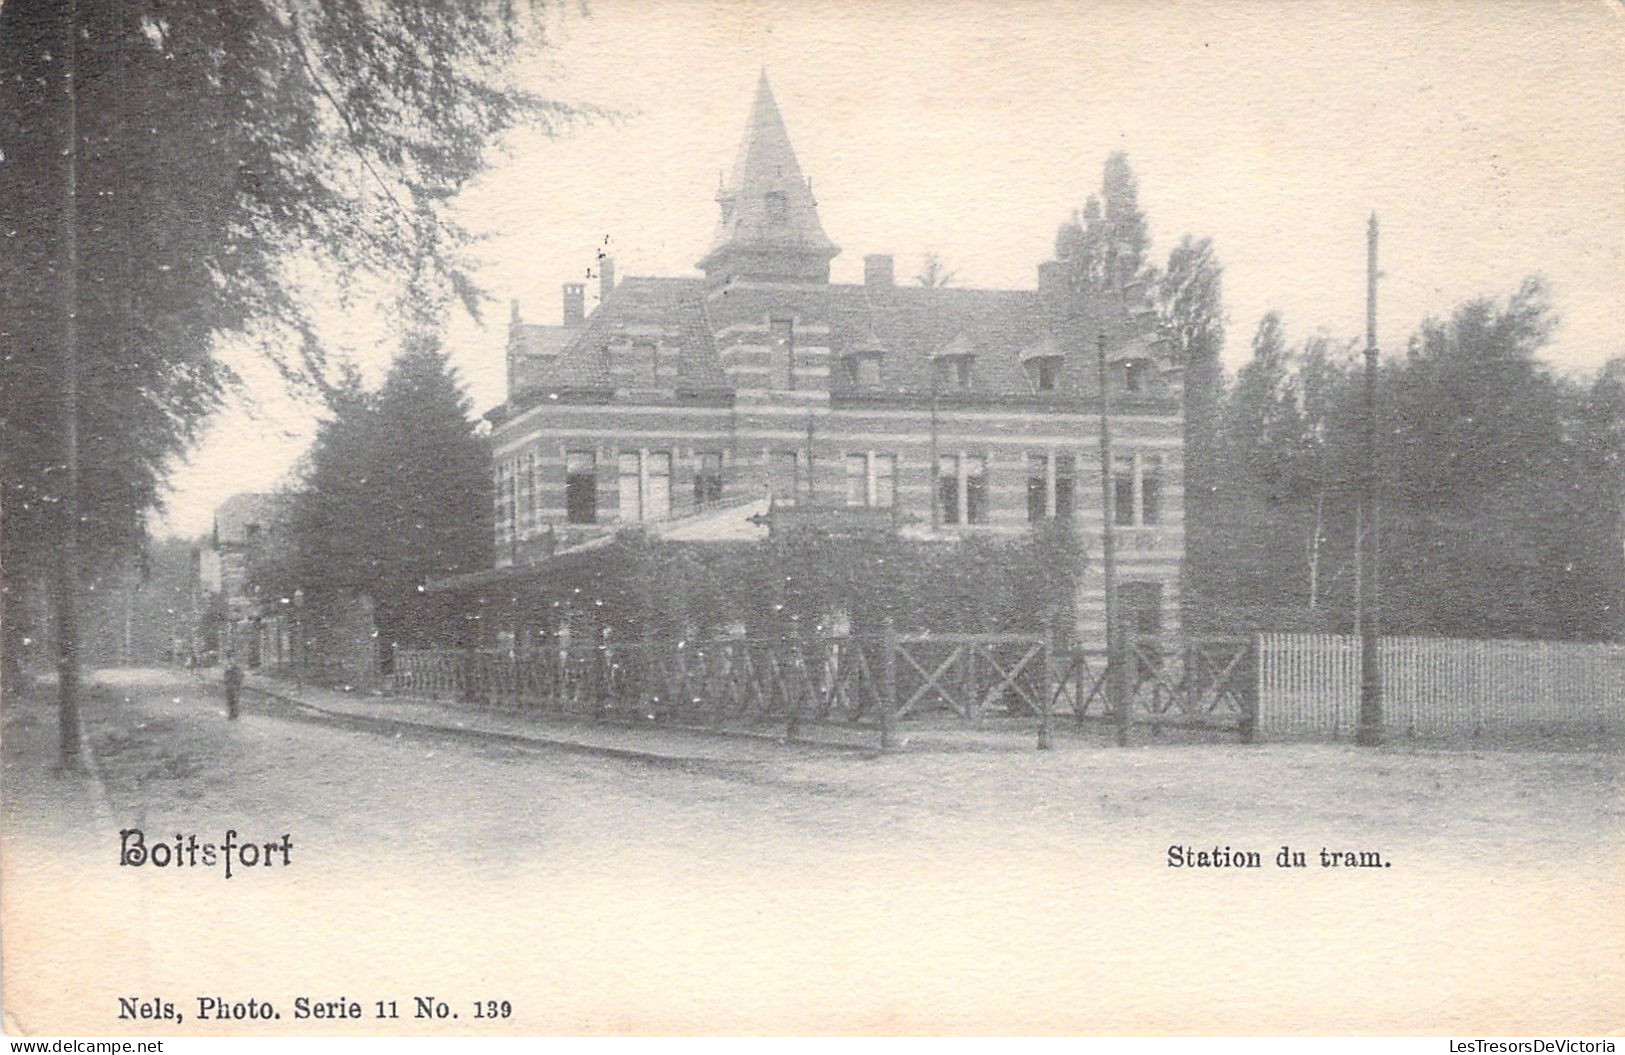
1369	729
1115	663
67	550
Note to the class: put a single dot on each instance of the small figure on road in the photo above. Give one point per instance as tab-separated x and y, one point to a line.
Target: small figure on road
234	685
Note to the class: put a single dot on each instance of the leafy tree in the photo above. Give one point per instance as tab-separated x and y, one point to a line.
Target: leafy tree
934	273
1104	246
178	175
1597	501
1499	483
1324	378
1190	300
433	471
1473	464
397	491
1264	426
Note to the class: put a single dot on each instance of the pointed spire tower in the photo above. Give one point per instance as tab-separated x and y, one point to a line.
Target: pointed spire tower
769	228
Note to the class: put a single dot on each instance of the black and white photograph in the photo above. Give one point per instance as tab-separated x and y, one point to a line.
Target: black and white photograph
746	517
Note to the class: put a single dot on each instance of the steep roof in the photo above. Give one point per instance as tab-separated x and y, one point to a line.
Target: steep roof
911	326
676	305
233	516
766	205
538	340
769	234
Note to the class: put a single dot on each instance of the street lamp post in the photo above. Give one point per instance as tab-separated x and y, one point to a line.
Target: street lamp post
1115	662
299	639
1369	728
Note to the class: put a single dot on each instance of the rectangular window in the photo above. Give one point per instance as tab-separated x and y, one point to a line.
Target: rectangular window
513	498
1044	372
580	487
885	480
657	485
646	363
1066	485
871	480
857	479
708	479
975	490
786	476
499	484
948	488
1151	490
528	516
1037	487
954	371
631	489
1123	498
782	346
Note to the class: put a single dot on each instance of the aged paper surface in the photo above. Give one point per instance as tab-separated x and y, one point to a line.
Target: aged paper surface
421	870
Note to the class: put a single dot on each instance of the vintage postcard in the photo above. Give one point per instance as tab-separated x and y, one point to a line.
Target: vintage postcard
753	517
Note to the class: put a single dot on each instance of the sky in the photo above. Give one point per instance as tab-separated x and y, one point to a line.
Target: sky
1487	137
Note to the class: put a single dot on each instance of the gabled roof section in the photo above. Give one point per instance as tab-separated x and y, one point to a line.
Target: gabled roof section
538	340
769	223
674	305
233	517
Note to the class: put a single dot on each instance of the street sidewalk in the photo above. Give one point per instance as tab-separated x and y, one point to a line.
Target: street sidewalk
40	797
652	742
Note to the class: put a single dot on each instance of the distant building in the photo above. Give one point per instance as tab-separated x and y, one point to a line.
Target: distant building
693	405
241	525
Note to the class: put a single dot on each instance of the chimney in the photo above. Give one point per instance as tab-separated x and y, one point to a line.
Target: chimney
1050	279
877	270
575	304
606	277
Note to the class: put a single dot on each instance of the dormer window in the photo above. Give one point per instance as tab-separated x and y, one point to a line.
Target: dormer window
1135	374
955	371
632	363
778	206
1044	372
863	369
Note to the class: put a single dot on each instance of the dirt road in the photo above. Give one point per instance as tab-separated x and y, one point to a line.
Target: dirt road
998	891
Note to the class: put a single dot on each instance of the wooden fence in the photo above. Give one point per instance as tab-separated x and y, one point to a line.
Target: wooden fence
1309	684
1191	682
872	680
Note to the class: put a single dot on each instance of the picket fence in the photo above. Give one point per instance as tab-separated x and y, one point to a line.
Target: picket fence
1309	684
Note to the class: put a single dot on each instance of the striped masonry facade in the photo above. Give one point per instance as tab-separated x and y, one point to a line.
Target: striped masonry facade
761	446
1309	684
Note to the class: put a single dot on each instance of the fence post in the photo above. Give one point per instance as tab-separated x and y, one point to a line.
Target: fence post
1249	710
1053	649
792	695
888	687
597	674
1117	680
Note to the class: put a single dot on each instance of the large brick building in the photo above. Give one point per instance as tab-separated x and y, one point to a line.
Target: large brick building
693	404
